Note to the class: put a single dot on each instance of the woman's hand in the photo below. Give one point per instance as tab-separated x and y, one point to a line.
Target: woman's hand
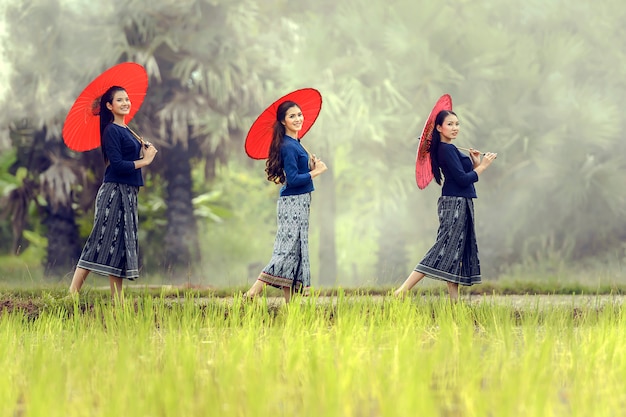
149	152
485	162
488	158
320	167
474	156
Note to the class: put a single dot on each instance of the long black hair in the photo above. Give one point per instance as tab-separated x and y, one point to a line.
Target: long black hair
274	164
434	144
106	115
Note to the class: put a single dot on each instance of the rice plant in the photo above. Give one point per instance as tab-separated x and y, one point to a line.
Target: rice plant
318	356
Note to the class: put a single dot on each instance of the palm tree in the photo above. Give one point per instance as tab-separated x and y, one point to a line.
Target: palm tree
208	68
366	61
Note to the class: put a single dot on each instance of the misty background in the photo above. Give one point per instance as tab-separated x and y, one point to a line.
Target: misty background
540	82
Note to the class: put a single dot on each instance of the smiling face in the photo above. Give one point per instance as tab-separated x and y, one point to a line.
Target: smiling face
293	121
449	129
119	105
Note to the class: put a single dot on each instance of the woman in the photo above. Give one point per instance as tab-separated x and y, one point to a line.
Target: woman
290	164
111	248
454	256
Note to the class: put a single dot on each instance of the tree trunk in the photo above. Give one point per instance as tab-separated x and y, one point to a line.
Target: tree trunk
181	239
392	257
326	204
64	246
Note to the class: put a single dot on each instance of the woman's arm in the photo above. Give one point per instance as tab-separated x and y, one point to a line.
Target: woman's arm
452	161
474	156
320	167
149	153
112	142
290	165
485	162
113	146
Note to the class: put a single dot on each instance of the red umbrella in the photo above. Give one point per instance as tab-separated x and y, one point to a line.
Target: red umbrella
81	130
259	136
423	169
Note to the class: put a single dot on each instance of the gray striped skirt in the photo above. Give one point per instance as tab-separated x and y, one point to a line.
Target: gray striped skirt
454	256
289	266
111	248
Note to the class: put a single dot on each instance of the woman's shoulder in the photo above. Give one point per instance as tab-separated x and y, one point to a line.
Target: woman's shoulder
447	148
289	141
450	148
114	130
290	145
449	152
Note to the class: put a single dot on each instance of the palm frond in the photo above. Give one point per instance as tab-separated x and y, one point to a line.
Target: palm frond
57	182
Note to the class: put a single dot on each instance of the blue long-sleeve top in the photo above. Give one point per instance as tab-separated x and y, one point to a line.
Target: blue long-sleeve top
296	166
458	172
122	149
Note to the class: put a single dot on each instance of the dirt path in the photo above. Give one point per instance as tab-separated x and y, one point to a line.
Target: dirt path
517	301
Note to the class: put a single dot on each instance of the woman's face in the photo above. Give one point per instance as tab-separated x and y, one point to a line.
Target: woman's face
120	105
449	128
293	121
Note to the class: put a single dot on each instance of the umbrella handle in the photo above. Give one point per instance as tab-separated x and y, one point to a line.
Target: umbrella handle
139	138
311	160
466	149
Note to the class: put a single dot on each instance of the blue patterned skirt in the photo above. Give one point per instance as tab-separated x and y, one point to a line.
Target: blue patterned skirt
454	256
290	266
111	248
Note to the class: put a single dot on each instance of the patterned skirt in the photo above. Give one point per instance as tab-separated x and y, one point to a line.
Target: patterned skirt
289	266
454	256
111	248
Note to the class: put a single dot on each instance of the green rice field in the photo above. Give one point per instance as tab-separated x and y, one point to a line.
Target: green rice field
333	356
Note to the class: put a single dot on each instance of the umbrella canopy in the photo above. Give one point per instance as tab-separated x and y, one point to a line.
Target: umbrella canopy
259	136
423	168
81	130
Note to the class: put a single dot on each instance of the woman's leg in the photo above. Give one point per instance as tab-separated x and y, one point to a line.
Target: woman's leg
80	275
116	287
256	289
409	283
287	292
453	291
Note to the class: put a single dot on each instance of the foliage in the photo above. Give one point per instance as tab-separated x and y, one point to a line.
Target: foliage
204	88
47	49
541	83
209	207
8	183
245	236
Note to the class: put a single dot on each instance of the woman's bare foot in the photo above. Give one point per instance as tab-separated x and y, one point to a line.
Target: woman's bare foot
255	290
409	283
